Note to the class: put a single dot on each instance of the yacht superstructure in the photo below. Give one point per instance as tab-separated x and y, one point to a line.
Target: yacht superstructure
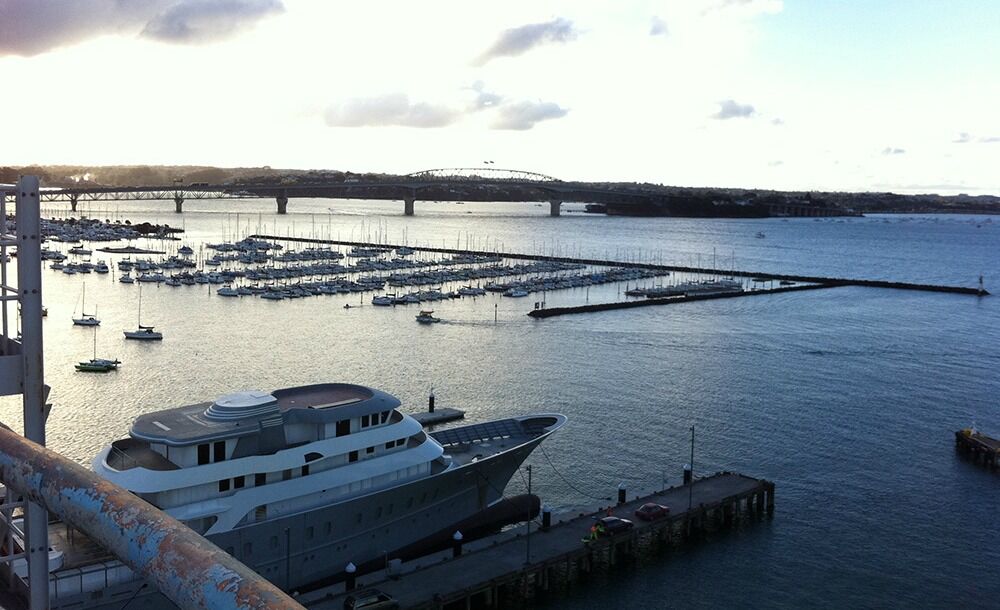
298	482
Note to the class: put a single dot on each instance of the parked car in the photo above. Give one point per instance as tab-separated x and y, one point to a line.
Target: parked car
651	511
614	525
369	599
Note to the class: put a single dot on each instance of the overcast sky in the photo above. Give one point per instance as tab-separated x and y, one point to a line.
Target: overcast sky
849	95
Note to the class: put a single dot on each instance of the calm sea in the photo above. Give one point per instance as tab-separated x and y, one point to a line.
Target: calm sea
847	398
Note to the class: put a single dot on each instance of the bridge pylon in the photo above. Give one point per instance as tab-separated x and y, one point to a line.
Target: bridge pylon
408	206
178	203
555	208
73	200
282	200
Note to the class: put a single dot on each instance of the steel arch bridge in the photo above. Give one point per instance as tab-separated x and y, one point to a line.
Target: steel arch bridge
480	174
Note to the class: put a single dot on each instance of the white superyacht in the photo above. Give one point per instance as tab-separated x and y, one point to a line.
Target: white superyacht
298	482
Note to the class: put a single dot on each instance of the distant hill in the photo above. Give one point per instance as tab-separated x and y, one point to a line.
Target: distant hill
686	201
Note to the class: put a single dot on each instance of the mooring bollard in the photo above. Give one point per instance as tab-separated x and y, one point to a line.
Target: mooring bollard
621	492
687	474
456	544
430	402
352	578
546	518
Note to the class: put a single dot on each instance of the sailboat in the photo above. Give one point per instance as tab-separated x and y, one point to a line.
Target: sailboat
143	333
86	319
98	365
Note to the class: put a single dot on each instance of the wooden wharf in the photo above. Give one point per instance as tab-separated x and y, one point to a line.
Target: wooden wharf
514	566
979	447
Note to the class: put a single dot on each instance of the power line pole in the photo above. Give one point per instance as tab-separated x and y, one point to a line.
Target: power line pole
691	486
527	557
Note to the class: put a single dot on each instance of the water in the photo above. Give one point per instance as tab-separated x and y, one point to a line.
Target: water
847	398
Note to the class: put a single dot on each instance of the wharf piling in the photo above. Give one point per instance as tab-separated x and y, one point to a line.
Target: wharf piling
978	447
502	570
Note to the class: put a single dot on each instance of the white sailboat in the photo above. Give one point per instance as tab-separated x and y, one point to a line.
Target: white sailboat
86	319
143	333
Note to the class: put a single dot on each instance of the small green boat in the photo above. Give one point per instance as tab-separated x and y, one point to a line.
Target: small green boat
98	365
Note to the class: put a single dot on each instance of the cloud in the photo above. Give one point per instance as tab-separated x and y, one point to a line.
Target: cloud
965	137
196	21
893	151
778	121
391	109
658	27
484	99
522	39
729	109
526	114
31	27
775	163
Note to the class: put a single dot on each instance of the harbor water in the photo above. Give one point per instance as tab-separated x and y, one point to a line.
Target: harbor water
847	398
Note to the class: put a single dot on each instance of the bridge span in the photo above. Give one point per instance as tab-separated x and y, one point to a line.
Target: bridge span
464	184
449	184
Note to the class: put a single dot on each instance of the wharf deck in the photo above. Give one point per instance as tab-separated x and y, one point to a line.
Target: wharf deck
499	568
978	447
438	416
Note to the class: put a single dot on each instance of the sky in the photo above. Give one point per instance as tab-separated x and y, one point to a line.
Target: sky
882	95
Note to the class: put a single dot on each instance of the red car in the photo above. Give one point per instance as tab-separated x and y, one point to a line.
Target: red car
651	511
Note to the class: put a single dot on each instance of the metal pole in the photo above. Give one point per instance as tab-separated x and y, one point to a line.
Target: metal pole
691	486
29	287
527	557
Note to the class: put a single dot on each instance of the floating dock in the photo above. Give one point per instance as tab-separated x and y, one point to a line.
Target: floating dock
562	311
515	566
981	449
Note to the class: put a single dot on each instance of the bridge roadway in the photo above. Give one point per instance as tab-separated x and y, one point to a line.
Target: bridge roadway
406	190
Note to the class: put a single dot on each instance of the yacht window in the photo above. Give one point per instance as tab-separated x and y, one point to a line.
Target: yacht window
224	485
385	416
329	528
305	470
343	427
364	421
400	442
259	479
239	482
220	451
260	513
370	450
390	444
286	474
352	456
203	454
